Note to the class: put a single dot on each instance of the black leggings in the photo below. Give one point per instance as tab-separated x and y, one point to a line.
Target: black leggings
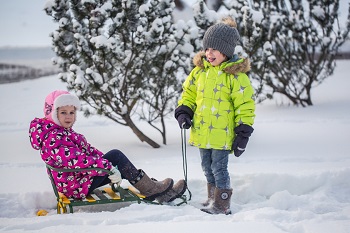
126	168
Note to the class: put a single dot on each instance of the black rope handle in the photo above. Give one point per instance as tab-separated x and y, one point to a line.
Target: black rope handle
184	158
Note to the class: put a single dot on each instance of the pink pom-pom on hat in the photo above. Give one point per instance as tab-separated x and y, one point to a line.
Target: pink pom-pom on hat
58	99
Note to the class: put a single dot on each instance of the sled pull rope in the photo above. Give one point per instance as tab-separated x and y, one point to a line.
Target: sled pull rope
184	158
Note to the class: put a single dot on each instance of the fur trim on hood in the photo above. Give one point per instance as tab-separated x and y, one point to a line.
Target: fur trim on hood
58	99
242	67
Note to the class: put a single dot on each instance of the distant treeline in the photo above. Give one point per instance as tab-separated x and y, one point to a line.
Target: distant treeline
343	55
14	73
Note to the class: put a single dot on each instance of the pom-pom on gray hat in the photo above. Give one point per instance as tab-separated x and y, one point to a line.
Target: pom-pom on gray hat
223	36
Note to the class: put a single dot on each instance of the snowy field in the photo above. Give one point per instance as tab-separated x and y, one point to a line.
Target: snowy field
294	176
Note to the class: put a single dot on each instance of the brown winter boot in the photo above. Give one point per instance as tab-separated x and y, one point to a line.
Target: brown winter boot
210	199
151	188
221	205
175	192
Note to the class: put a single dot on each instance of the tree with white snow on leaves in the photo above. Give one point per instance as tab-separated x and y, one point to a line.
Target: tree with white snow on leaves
292	44
122	57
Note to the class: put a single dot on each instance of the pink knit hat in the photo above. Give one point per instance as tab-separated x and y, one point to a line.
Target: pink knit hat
58	99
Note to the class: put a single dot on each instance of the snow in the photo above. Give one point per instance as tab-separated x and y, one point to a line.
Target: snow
319	12
99	41
294	176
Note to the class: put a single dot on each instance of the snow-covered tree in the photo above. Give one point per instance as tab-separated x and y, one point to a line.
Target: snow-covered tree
292	44
204	18
122	57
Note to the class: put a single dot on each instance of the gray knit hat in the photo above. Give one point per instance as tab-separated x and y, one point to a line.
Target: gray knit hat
222	37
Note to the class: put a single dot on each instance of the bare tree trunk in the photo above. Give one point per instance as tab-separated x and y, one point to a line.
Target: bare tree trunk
161	131
139	133
164	131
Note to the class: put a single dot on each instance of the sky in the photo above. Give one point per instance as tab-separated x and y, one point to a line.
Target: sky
24	23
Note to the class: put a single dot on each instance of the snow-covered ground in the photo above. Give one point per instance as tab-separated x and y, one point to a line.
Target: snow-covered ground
294	176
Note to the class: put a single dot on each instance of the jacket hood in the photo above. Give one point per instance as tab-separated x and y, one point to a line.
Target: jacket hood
39	127
58	99
242	65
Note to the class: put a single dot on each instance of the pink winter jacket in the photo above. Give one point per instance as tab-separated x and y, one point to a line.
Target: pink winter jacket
64	148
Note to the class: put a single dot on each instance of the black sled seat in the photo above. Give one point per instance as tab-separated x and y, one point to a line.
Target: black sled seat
102	195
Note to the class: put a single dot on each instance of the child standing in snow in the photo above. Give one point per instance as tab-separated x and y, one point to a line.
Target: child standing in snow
61	147
216	103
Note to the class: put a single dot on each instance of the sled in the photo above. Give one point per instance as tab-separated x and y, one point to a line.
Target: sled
102	195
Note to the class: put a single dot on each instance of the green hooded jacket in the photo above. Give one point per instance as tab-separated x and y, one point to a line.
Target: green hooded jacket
220	98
